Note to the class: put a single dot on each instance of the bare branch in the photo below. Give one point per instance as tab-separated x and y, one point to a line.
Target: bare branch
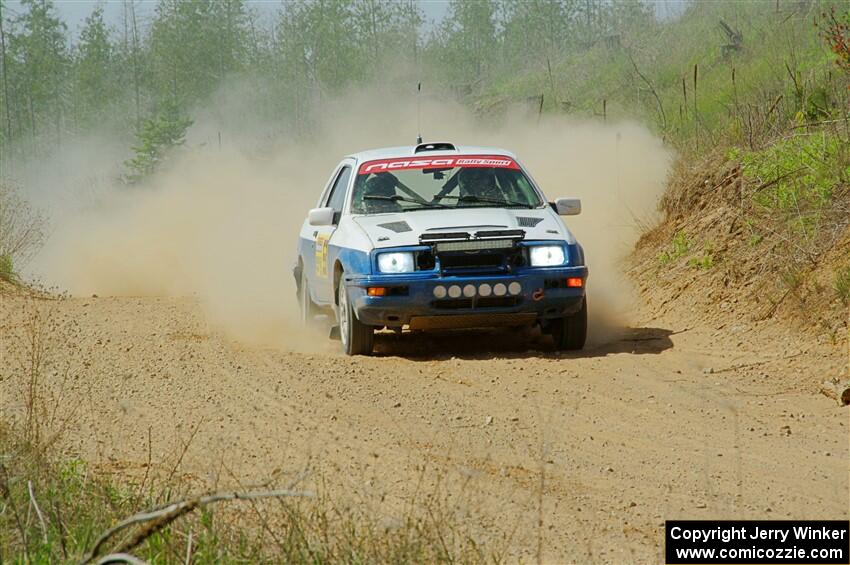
651	89
37	511
167	514
121	558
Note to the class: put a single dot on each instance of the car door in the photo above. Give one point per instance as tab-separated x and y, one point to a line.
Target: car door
335	199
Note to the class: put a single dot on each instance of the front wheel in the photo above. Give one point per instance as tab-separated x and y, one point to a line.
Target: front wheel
570	332
357	338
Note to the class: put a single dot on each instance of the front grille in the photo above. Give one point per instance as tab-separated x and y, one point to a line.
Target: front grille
493	261
476	260
480	302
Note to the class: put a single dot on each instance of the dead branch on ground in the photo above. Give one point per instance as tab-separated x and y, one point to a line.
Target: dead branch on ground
157	519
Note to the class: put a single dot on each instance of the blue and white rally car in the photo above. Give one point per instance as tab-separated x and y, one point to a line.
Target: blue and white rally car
439	236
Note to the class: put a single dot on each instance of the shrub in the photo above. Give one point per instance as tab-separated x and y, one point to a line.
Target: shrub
706	260
7	273
797	174
679	246
158	136
21	230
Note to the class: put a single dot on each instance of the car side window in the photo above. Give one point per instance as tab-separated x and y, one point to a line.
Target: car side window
336	198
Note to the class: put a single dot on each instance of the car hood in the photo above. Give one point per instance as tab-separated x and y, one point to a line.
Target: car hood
404	228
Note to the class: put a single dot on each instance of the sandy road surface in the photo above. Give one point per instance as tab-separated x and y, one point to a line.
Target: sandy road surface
667	422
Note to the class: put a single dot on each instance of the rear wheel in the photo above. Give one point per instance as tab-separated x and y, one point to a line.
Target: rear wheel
357	338
570	332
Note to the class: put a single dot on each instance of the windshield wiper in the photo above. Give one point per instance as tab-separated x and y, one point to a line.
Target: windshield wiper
400	198
490	201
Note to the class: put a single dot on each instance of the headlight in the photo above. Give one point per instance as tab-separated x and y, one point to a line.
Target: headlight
546	255
395	262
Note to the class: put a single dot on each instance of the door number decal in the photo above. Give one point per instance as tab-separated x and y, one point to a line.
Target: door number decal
322	256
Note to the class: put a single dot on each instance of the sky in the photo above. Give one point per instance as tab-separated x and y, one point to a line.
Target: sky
74	12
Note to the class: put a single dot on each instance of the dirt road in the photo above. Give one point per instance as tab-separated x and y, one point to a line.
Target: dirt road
670	421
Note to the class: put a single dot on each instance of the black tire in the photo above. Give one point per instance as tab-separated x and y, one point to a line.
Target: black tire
307	310
357	338
570	332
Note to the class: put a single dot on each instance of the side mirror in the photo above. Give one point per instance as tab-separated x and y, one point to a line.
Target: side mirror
568	206
321	217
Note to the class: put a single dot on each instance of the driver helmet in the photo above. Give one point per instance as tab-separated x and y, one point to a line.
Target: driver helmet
479	182
382	184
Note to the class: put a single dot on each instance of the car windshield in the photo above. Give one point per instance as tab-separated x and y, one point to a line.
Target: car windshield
400	186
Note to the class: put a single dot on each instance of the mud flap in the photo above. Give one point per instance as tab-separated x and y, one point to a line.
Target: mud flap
334	333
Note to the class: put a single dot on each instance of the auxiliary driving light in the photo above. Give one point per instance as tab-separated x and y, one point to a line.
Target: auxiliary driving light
485	290
500	289
454	291
469	291
439	291
514	288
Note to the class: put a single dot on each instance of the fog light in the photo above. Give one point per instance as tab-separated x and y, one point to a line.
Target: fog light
439	291
485	290
514	288
469	291
454	291
575	282
376	291
500	289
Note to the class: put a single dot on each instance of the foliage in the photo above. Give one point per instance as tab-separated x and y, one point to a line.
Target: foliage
795	178
22	229
802	169
159	135
465	48
679	247
7	268
704	261
194	46
576	54
836	33
77	505
36	63
96	84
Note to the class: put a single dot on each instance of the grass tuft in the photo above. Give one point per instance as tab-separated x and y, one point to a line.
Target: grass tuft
679	247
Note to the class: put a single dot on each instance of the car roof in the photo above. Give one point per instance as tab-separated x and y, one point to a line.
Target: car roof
410	151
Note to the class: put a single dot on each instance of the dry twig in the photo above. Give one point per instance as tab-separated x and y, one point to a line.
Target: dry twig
163	516
37	511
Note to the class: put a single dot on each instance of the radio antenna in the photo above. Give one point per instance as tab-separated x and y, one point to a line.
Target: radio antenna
419	113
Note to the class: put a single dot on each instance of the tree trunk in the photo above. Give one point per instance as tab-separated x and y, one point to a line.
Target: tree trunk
6	100
136	64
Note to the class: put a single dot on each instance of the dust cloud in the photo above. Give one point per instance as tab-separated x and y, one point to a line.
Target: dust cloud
220	222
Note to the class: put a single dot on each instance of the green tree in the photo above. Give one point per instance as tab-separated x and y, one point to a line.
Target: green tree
156	140
195	45
466	46
318	43
537	30
96	86
38	68
386	31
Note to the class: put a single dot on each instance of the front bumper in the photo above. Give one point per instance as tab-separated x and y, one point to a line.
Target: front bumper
411	301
